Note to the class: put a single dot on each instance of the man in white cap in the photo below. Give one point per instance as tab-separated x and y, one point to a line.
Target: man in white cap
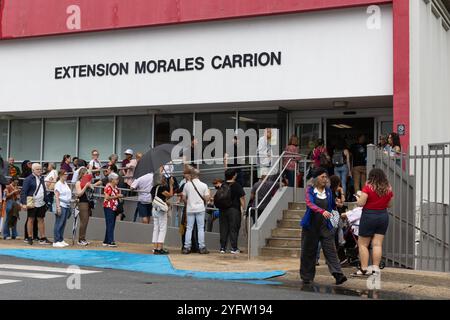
129	164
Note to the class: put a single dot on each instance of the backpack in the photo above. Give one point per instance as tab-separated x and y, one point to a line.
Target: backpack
338	158
222	198
325	161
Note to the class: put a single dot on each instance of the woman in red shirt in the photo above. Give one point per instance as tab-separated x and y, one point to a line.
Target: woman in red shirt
110	204
375	198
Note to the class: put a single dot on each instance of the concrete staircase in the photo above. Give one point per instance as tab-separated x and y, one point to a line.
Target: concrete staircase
286	238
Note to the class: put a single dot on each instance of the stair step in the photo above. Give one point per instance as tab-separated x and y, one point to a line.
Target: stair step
289	223
293	214
280	252
297	206
284	242
286	233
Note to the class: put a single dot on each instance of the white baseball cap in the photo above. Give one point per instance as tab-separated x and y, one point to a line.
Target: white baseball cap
129	151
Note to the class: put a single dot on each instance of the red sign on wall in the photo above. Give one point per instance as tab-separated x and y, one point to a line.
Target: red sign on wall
28	18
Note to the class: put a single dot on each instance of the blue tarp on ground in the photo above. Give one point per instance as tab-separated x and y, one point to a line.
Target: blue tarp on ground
130	262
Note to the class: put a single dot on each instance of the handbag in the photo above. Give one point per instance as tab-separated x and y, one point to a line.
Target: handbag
30	199
158	203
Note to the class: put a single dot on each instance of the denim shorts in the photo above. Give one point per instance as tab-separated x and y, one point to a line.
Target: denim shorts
144	209
373	222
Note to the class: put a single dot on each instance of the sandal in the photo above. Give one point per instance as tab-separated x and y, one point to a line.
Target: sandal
360	273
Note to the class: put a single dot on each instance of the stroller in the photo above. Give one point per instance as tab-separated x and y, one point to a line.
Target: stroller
351	239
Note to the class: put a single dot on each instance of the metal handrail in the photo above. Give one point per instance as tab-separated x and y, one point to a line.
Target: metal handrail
257	205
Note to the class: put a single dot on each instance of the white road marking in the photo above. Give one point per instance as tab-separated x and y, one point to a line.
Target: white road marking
29	275
46	269
4	281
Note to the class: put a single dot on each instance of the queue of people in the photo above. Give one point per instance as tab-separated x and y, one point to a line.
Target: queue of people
325	197
40	191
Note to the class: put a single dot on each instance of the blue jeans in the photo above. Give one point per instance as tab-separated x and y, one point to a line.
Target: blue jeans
110	219
60	224
342	173
191	218
6	231
290	176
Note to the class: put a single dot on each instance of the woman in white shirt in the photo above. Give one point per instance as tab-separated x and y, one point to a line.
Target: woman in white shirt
63	196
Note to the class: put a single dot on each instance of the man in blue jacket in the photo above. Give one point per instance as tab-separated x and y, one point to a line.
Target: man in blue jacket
34	187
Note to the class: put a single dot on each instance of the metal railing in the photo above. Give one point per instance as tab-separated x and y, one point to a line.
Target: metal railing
277	166
418	234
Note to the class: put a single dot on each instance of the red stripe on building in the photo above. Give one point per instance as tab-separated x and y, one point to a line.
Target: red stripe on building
401	68
28	18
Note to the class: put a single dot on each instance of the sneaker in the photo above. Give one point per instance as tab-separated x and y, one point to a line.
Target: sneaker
186	251
65	243
29	241
25	240
361	273
45	241
104	244
112	245
156	251
203	251
223	251
36	239
82	243
6	238
235	251
58	245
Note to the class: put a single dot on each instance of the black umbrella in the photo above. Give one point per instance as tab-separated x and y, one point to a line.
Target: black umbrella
153	159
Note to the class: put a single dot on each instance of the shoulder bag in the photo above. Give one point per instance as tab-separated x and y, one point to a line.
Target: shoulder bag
30	199
158	203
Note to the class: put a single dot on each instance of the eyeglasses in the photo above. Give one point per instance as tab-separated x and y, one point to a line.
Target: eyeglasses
95	154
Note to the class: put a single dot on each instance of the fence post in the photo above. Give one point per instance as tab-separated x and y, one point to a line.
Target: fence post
295	182
371	157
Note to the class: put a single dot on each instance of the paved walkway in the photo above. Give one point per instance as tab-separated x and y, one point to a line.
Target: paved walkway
420	284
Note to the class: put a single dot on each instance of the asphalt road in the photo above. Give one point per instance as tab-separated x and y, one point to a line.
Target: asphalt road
124	285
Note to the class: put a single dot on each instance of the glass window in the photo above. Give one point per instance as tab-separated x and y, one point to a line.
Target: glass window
60	138
220	121
26	139
387	127
134	132
308	134
165	124
96	133
3	138
260	120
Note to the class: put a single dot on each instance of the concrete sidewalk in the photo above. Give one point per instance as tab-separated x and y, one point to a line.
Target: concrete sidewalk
420	284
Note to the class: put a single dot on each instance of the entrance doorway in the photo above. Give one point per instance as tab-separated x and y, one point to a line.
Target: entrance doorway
347	131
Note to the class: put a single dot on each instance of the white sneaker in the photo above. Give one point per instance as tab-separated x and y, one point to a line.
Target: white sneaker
58	245
65	243
82	243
